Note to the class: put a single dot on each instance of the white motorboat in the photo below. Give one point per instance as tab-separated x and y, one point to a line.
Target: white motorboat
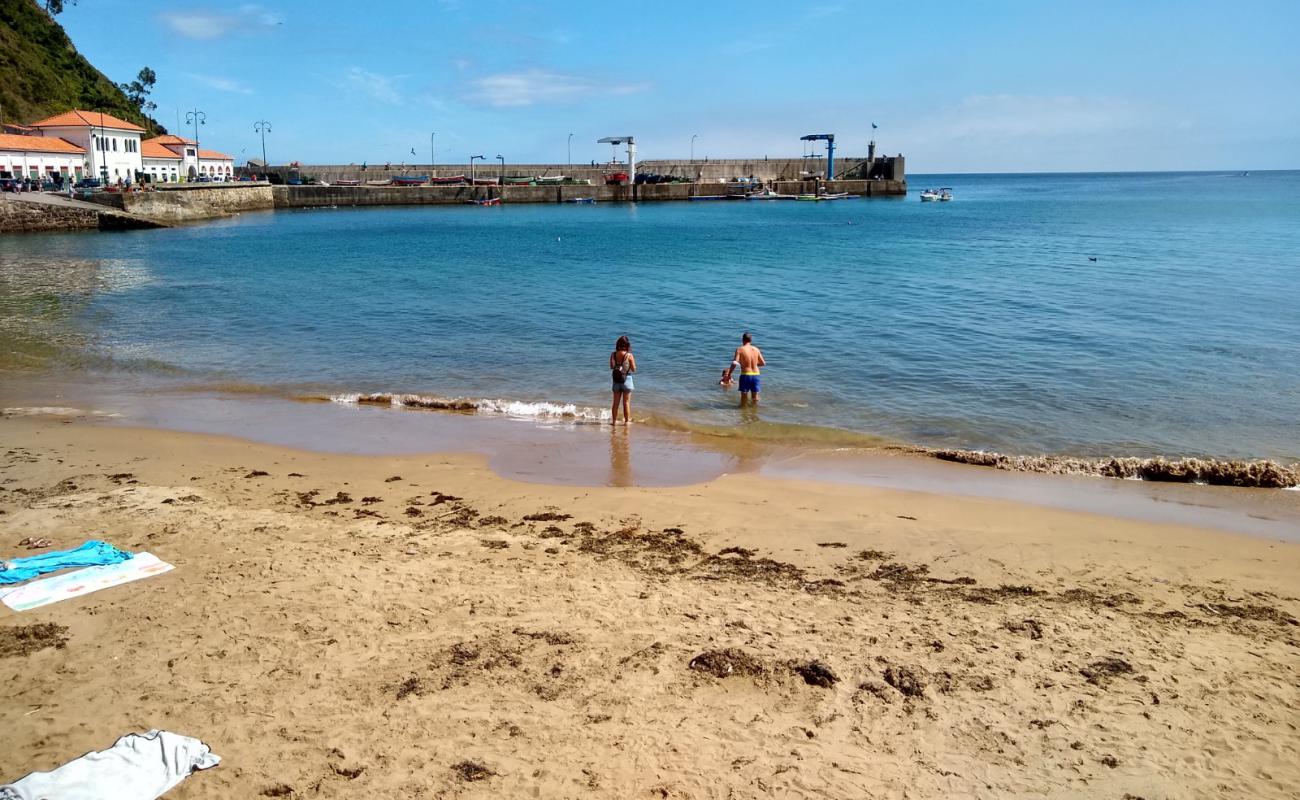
935	195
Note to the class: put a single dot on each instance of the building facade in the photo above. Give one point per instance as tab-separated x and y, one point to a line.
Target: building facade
170	158
41	158
111	145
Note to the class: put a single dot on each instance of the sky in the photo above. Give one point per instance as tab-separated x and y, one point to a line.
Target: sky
954	85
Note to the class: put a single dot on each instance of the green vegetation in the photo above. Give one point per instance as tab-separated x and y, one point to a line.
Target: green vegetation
42	74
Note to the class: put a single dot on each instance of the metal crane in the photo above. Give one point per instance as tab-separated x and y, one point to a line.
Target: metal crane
631	153
829	138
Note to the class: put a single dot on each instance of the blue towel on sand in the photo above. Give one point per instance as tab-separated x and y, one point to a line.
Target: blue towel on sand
90	554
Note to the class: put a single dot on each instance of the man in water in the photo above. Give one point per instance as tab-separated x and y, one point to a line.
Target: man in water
749	358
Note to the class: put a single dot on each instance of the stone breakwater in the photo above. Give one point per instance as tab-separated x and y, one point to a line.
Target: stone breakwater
1215	472
32	215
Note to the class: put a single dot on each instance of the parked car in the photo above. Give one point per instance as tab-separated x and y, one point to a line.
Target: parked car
50	186
8	184
88	183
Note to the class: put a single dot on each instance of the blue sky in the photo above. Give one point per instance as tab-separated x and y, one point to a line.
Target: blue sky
955	85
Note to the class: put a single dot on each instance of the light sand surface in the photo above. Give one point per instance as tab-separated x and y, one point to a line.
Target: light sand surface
334	630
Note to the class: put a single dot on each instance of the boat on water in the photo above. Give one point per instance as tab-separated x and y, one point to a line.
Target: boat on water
581	200
708	197
936	195
769	194
491	201
410	180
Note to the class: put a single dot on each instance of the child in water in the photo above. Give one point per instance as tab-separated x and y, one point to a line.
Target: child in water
726	383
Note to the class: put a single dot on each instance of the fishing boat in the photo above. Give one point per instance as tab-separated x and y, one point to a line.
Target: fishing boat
491	201
936	195
484	182
518	180
581	200
347	182
769	194
410	180
544	180
450	180
708	197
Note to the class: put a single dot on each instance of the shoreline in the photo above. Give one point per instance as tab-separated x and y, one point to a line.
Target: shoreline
565	449
367	624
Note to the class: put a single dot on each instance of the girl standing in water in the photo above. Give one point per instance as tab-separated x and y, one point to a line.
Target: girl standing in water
621	366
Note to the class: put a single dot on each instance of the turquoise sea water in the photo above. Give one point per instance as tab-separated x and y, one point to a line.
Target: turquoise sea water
979	323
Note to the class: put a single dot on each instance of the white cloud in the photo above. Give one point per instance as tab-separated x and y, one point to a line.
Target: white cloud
373	85
540	87
1022	115
212	24
220	84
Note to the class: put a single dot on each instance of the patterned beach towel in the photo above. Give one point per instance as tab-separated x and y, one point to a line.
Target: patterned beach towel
82	581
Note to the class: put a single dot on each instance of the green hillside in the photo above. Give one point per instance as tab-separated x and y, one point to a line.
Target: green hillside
42	74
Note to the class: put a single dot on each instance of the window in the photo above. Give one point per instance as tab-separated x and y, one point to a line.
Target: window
114	144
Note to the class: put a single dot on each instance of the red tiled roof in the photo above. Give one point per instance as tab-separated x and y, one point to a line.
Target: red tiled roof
170	139
92	119
150	148
214	155
38	144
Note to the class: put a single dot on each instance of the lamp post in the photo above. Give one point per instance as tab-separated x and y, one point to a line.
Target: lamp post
433	154
694	136
263	127
196	118
570	147
472	159
501	179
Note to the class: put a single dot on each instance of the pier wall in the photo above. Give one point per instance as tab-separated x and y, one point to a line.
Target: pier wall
699	170
40	212
324	196
188	202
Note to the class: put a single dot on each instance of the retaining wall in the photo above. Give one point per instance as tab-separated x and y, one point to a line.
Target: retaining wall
27	216
185	203
324	196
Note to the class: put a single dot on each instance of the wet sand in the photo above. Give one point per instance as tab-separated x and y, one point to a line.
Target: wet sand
417	626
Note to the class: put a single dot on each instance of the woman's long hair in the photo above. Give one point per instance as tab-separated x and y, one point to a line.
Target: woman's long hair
623	345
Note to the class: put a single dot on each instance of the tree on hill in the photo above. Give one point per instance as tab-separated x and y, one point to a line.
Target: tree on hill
137	91
54	7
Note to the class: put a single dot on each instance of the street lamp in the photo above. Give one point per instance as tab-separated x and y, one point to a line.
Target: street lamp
501	179
472	159
570	150
263	127
196	118
432	153
694	136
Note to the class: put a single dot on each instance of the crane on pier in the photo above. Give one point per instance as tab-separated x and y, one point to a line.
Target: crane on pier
829	138
615	141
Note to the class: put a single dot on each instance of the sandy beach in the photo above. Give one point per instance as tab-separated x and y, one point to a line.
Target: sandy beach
416	626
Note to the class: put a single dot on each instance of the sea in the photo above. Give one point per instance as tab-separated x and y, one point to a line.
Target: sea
1090	315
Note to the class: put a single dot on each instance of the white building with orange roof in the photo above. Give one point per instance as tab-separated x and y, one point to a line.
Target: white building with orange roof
111	145
41	157
169	158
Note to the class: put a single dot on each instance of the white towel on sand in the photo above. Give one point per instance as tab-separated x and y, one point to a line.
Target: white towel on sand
140	766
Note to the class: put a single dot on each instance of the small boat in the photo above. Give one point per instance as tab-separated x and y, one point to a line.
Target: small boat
383	182
615	178
935	195
491	201
543	180
708	197
484	182
581	200
769	194
511	180
347	182
450	180
410	180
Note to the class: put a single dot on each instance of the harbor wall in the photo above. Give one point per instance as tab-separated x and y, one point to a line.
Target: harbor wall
325	196
189	202
699	170
41	213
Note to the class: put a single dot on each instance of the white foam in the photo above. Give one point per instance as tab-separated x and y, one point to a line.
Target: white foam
519	409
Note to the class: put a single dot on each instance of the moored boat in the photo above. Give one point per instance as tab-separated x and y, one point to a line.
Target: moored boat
347	182
410	180
491	201
543	180
449	180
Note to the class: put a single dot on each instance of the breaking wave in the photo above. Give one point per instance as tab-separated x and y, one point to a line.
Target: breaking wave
507	408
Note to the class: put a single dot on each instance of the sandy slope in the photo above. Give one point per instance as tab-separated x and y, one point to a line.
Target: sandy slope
434	642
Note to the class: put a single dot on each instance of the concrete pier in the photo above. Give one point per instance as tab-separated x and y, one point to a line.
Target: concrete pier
323	196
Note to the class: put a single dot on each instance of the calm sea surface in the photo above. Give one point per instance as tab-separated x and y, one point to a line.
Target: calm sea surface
983	323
